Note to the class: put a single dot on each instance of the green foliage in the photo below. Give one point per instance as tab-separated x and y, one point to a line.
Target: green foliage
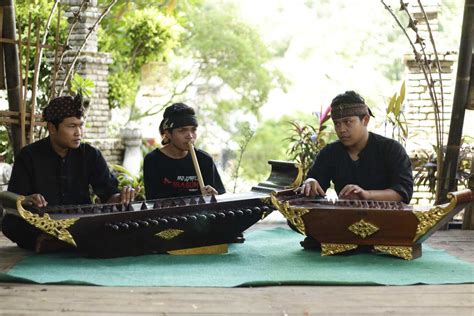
395	116
39	11
247	134
307	140
82	85
135	38
6	151
272	140
426	167
267	143
125	178
231	52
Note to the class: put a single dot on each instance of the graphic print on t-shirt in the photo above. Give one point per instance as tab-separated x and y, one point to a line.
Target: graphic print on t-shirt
182	182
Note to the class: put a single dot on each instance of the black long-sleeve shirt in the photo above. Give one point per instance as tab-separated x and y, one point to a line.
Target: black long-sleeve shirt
168	177
39	169
382	164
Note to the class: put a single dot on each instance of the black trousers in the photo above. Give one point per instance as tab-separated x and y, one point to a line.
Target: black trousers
18	230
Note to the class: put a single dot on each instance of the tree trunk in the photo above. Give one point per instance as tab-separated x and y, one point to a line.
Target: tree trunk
12	69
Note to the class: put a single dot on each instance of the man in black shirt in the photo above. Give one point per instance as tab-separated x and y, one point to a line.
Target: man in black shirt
168	171
59	169
362	165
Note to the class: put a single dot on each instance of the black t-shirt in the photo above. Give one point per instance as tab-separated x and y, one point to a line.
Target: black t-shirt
39	169
382	164
168	177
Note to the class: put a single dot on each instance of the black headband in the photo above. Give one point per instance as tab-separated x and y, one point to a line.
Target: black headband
177	121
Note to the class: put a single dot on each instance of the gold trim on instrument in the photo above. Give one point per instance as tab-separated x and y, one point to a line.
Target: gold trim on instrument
397	251
292	214
363	228
429	219
56	228
332	249
299	177
214	249
169	233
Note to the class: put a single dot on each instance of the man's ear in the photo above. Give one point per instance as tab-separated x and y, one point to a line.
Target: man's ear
366	120
51	128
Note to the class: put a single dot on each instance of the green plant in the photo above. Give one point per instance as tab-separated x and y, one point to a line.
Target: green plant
82	85
125	178
6	151
425	165
247	136
395	116
307	140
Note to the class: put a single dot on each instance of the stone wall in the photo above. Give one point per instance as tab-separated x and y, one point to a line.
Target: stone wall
94	66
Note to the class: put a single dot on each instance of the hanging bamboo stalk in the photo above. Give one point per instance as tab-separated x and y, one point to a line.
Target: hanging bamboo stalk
12	71
56	52
34	86
28	51
22	86
39	57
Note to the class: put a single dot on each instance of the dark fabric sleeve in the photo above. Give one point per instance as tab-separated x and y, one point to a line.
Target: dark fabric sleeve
103	182
151	191
321	169
400	173
20	180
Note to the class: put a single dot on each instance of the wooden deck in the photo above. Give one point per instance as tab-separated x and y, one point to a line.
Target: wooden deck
26	299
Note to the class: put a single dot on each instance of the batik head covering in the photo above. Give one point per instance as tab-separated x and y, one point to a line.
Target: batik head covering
62	107
178	115
346	110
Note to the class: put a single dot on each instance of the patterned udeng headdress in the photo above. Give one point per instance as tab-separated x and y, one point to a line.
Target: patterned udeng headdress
353	109
62	107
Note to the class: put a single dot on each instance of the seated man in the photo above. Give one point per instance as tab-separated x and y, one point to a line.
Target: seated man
58	170
169	171
361	164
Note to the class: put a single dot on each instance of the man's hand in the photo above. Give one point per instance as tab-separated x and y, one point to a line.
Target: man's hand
208	190
35	199
353	192
310	187
127	195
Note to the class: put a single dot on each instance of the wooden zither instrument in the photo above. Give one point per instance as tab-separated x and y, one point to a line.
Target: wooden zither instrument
388	227
184	225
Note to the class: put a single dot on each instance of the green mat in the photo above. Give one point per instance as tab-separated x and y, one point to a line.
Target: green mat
268	257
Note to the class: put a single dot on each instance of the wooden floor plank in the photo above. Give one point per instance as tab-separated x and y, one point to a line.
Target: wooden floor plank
34	299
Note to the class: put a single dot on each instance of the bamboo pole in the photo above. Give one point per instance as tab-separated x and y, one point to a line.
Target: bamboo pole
27	66
34	86
460	101
56	52
22	87
196	167
12	68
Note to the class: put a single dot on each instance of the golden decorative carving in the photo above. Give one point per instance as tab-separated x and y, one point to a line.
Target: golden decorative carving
299	177
332	249
169	233
222	248
292	214
363	228
397	251
56	228
426	220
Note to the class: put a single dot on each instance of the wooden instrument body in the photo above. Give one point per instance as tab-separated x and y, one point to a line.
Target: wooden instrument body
390	227
157	226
